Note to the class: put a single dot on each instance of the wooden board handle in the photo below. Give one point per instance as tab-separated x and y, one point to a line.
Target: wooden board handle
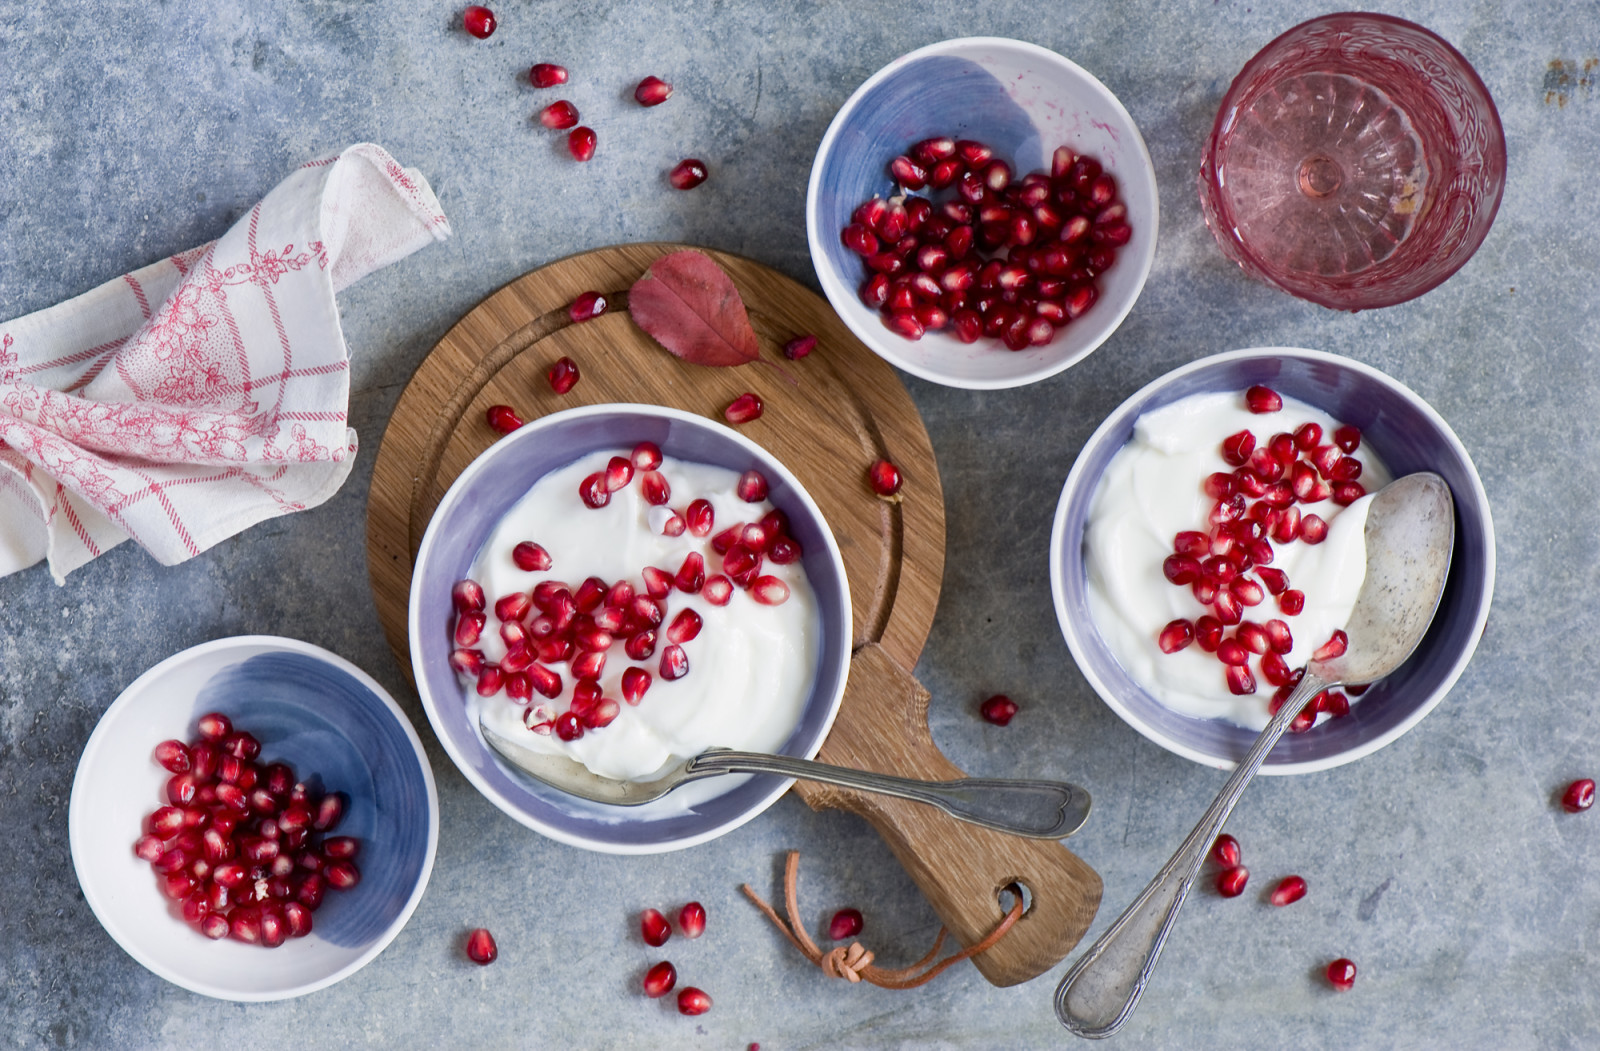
960	868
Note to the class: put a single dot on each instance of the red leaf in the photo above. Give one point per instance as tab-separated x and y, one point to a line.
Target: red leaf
688	304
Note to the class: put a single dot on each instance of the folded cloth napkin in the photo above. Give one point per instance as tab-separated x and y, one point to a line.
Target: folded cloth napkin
193	398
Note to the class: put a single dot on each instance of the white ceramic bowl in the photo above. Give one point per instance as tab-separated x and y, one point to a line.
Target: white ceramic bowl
309	708
460	526
1023	101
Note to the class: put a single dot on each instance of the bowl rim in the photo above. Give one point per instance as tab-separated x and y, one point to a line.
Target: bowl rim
1076	483
414	629
98	740
1258	268
873	339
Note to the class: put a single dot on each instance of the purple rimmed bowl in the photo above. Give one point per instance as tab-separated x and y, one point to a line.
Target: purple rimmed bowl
462	523
1409	436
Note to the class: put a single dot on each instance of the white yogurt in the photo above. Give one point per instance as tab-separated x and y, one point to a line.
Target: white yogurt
1152	489
750	668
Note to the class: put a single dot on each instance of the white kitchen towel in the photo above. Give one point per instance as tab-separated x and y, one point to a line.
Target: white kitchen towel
193	398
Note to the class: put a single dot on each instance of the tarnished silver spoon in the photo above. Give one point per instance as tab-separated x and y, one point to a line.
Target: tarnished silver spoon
1410	533
1036	809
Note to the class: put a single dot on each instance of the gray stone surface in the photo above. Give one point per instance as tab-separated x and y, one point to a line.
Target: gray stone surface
132	129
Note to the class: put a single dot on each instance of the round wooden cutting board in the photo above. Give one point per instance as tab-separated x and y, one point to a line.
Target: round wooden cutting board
828	416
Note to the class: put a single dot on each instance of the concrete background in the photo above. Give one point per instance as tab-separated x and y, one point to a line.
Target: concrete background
1442	864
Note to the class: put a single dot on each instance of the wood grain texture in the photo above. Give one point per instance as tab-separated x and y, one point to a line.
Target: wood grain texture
828	416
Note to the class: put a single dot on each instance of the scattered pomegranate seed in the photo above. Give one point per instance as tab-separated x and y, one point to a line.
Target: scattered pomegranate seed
846	923
530	557
1261	399
481	948
1289	890
654	486
652	91
1342	973
752	487
799	347
592	490
1230	882
884	478
692	1001
581	142
769	591
744	408
1336	645
1175	636
504	418
659	980
479	21
559	115
635	681
688	174
653	927
1347	438
1225	851
692	920
547	75
717	590
674	663
998	709
1579	796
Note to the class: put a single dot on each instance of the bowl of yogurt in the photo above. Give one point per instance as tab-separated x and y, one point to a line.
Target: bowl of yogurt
1209	542
628	586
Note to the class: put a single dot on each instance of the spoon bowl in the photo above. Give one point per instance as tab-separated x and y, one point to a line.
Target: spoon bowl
1035	809
1410	537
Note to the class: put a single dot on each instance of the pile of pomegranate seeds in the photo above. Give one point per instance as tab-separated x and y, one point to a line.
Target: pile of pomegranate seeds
242	844
555	624
662	977
1228	565
998	709
481	948
1001	257
1579	796
1231	880
479	21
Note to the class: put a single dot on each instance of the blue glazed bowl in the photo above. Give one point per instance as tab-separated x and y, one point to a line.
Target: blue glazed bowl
1023	101
462	523
329	721
1409	436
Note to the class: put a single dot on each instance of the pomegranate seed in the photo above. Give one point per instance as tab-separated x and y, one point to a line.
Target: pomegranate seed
744	408
245	925
1253	637
530	557
504	418
581	142
1289	890
647	610
1230	882
1228	608
653	927
752	488
646	456
700	517
1278	636
593	491
1347	438
1261	399
588	665
973	154
905	324
479	21
769	591
691	577
547	75
998	709
174	755
1175	636
1292	602
692	920
1337	643
329	811
718	590
1342	973
214	926
1308	436
635	683
559	116
568	726
687	174
467	596
1181	569
685	626
654	486
660	979
1208	633
692	1001
1578	796
1247	591
652	91
481	948
1313	530
657	582
1240	681
1232	653
908	173
512	607
846	923
1236	448
1219	485
799	347
884	477
1276	670
674	663
1225	851
181	789
1337	704
1347	493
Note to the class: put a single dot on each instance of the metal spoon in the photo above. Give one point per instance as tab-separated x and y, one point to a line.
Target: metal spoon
1036	809
1410	533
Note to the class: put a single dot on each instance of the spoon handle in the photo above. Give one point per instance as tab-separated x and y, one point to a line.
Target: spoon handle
1036	809
1102	988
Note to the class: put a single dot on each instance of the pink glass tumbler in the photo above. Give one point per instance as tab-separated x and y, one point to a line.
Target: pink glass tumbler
1357	161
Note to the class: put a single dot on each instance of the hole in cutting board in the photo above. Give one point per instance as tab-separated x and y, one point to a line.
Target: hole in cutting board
1008	896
